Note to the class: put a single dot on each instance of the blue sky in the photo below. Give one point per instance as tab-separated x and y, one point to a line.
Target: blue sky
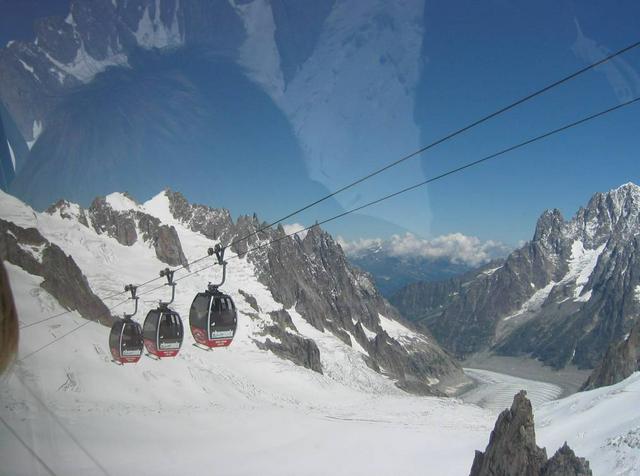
479	56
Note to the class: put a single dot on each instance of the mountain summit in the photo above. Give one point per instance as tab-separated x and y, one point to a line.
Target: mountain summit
562	298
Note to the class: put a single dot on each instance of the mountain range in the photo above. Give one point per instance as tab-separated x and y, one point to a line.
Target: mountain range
562	298
405	259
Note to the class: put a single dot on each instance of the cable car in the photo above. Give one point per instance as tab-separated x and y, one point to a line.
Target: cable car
125	338
213	318
162	330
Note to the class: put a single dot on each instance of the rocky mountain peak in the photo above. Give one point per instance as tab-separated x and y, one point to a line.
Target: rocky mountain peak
512	445
309	278
512	448
561	298
122	218
616	212
550	231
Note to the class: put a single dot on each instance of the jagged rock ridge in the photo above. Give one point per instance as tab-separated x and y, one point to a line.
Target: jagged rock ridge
28	249
312	275
125	225
512	448
621	360
561	298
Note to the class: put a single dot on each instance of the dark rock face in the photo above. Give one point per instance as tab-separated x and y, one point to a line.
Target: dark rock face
250	300
289	345
211	222
28	249
566	463
562	298
312	275
512	448
423	300
118	225
620	361
125	226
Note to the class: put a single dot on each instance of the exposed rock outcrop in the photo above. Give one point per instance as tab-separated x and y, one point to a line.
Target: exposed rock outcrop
125	225
566	463
310	273
561	298
512	448
251	300
211	222
28	249
620	361
289	345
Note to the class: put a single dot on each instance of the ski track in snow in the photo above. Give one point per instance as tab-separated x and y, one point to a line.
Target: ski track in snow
240	410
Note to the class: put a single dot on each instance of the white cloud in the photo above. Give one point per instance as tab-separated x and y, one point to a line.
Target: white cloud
363	244
295	228
456	247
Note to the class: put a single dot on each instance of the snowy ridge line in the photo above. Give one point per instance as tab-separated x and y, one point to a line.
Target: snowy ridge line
449	136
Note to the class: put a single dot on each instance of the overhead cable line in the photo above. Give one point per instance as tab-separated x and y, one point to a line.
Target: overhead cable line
107	314
386	197
450	172
445	138
407	157
146	283
27	447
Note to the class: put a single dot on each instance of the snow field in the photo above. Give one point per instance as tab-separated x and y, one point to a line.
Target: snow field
240	410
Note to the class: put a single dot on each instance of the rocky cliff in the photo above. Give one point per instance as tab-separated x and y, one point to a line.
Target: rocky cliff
562	298
620	361
122	219
28	249
512	448
310	273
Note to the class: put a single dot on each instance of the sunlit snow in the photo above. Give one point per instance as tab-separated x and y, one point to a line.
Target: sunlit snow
242	410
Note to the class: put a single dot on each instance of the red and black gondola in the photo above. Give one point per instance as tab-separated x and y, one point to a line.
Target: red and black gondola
163	331
212	317
125	339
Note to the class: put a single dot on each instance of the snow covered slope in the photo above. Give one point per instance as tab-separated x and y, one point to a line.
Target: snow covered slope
240	410
322	301
602	425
